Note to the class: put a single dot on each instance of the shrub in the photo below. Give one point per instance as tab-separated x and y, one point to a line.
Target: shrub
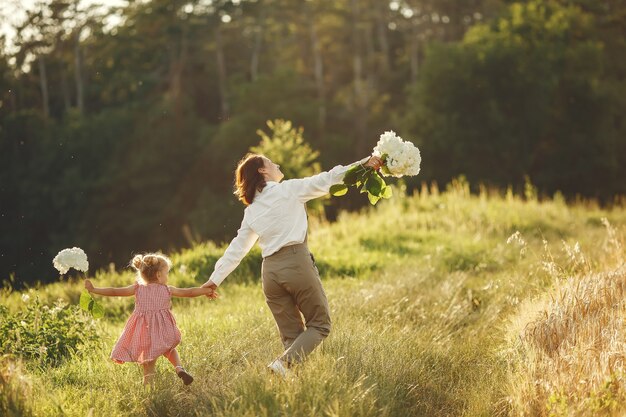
45	334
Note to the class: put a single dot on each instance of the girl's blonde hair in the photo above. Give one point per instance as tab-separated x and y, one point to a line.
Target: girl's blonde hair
148	265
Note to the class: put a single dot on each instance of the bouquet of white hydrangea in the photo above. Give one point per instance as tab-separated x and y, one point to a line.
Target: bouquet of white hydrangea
77	259
399	157
71	258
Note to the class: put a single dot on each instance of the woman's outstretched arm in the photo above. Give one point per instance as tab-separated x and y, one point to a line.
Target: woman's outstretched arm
110	291
318	185
238	248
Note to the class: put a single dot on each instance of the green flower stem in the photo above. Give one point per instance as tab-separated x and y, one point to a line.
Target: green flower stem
367	179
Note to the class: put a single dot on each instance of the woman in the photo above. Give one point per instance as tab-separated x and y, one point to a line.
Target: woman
276	216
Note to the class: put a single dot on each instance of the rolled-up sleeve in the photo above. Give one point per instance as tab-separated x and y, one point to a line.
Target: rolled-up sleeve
305	189
238	248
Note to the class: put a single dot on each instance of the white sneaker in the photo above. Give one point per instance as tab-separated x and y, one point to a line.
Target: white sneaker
278	368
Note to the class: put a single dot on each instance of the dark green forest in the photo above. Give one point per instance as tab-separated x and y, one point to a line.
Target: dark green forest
125	139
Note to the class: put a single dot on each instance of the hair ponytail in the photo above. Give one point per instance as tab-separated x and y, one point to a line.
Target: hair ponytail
248	179
148	265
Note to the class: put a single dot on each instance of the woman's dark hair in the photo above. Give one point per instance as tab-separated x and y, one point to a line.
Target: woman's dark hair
248	179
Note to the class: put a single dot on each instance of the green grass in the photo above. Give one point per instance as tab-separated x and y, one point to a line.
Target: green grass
421	289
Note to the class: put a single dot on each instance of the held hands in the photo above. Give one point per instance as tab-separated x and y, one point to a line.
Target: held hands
212	294
88	285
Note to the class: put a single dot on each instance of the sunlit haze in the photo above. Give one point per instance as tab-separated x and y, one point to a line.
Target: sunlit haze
13	12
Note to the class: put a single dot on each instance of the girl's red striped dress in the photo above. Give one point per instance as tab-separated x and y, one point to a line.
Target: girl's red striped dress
151	329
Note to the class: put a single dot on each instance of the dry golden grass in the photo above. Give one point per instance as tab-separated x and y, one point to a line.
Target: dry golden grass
569	346
15	387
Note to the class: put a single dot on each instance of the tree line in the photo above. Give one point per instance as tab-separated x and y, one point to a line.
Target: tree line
124	139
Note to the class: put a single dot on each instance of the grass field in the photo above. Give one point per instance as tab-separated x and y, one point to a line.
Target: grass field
443	304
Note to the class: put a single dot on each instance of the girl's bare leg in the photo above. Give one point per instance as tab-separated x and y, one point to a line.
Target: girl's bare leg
149	372
173	357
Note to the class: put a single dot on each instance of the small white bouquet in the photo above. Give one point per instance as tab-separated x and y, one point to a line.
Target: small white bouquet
71	258
77	259
399	157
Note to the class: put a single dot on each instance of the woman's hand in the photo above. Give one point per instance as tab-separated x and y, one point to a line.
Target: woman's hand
88	285
213	287
374	162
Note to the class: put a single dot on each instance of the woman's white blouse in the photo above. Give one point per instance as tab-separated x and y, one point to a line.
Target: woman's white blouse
276	217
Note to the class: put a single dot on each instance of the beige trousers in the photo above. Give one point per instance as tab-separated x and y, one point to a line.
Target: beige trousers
293	290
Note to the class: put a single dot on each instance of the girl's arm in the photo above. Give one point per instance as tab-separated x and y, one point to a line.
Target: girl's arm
190	292
110	291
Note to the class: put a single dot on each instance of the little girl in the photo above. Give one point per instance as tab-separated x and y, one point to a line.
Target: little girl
151	330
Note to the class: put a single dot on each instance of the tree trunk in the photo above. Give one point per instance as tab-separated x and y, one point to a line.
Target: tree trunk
258	42
256	53
78	74
370	60
178	62
381	24
318	68
221	75
414	51
360	93
67	102
43	83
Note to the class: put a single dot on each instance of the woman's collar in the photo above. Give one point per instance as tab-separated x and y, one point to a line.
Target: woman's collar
269	184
